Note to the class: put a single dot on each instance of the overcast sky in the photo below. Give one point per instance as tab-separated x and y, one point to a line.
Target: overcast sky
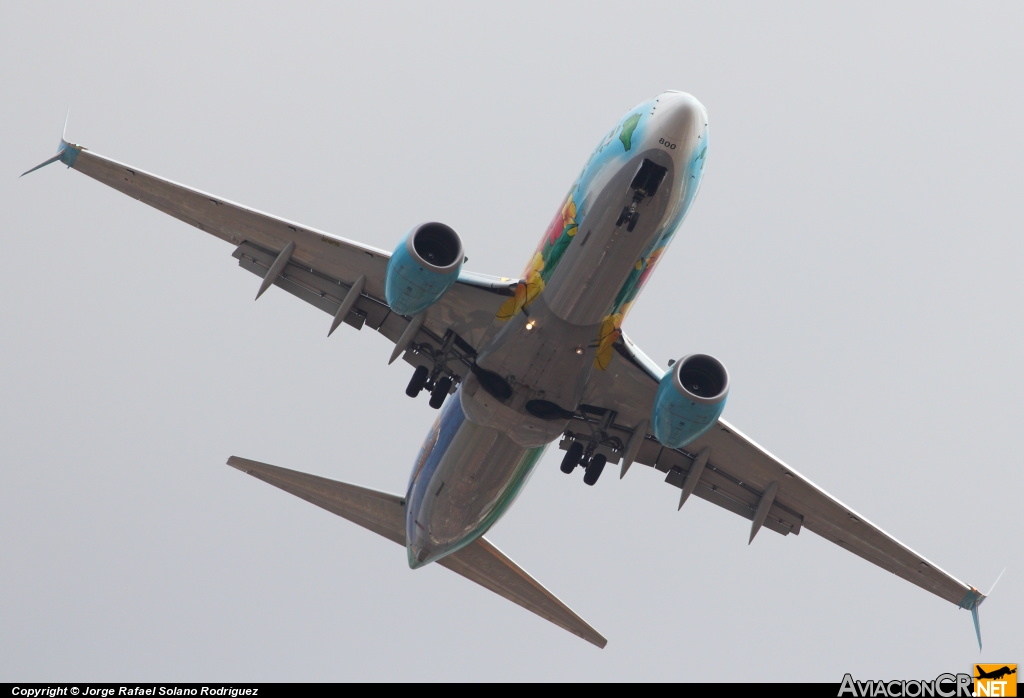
854	258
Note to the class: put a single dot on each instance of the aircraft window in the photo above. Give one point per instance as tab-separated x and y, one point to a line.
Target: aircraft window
648	178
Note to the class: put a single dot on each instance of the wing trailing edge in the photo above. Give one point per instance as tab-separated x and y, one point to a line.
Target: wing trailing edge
384	514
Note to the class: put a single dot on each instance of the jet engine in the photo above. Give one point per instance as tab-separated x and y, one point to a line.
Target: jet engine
422	268
690	398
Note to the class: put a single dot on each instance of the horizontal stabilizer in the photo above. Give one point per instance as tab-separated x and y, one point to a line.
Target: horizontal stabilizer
379	512
384	514
484	564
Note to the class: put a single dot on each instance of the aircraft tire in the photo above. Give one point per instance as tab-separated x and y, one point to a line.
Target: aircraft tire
418	380
572	457
594	469
440	392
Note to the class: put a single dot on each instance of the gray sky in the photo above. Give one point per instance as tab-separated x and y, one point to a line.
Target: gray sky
854	258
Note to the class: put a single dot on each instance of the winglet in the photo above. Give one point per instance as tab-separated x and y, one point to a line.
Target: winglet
971	601
66	152
977	622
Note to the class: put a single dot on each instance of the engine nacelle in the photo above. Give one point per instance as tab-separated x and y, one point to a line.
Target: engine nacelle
422	268
690	398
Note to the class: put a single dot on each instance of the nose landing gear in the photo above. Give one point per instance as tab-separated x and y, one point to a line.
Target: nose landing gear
645	184
629	214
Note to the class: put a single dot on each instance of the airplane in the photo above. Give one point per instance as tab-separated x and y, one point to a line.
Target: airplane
514	365
996	673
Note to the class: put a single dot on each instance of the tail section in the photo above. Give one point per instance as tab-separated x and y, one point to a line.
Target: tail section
384	514
380	512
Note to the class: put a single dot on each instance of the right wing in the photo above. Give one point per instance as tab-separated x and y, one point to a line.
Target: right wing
318	267
728	469
384	514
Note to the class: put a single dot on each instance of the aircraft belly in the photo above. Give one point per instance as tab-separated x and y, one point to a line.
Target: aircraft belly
602	255
471	479
543	358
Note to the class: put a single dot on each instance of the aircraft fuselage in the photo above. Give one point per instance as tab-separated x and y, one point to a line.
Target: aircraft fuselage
596	255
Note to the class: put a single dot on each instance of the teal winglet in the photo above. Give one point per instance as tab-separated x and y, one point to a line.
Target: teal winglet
972	600
977	622
66	152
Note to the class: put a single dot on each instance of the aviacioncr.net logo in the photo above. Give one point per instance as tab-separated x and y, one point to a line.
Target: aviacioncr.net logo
995	680
942	686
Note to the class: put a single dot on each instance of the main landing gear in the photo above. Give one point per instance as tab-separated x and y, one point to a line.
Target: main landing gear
437	380
590	451
593	466
438	387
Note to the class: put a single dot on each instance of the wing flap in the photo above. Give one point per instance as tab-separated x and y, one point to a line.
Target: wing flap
384	514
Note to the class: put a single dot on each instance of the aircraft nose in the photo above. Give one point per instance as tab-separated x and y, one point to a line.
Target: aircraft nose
681	113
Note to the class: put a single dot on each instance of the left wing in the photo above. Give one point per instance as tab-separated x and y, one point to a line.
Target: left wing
731	470
318	267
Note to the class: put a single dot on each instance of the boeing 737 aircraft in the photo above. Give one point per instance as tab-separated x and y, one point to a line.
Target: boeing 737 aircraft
515	365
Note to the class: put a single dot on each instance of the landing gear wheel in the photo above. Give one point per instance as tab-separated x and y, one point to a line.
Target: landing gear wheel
633	219
572	457
622	216
594	469
418	380
440	392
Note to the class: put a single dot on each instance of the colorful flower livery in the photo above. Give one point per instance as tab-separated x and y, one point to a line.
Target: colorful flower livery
615	150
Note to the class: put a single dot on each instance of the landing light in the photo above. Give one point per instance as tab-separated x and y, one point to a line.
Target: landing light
579	351
530	324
